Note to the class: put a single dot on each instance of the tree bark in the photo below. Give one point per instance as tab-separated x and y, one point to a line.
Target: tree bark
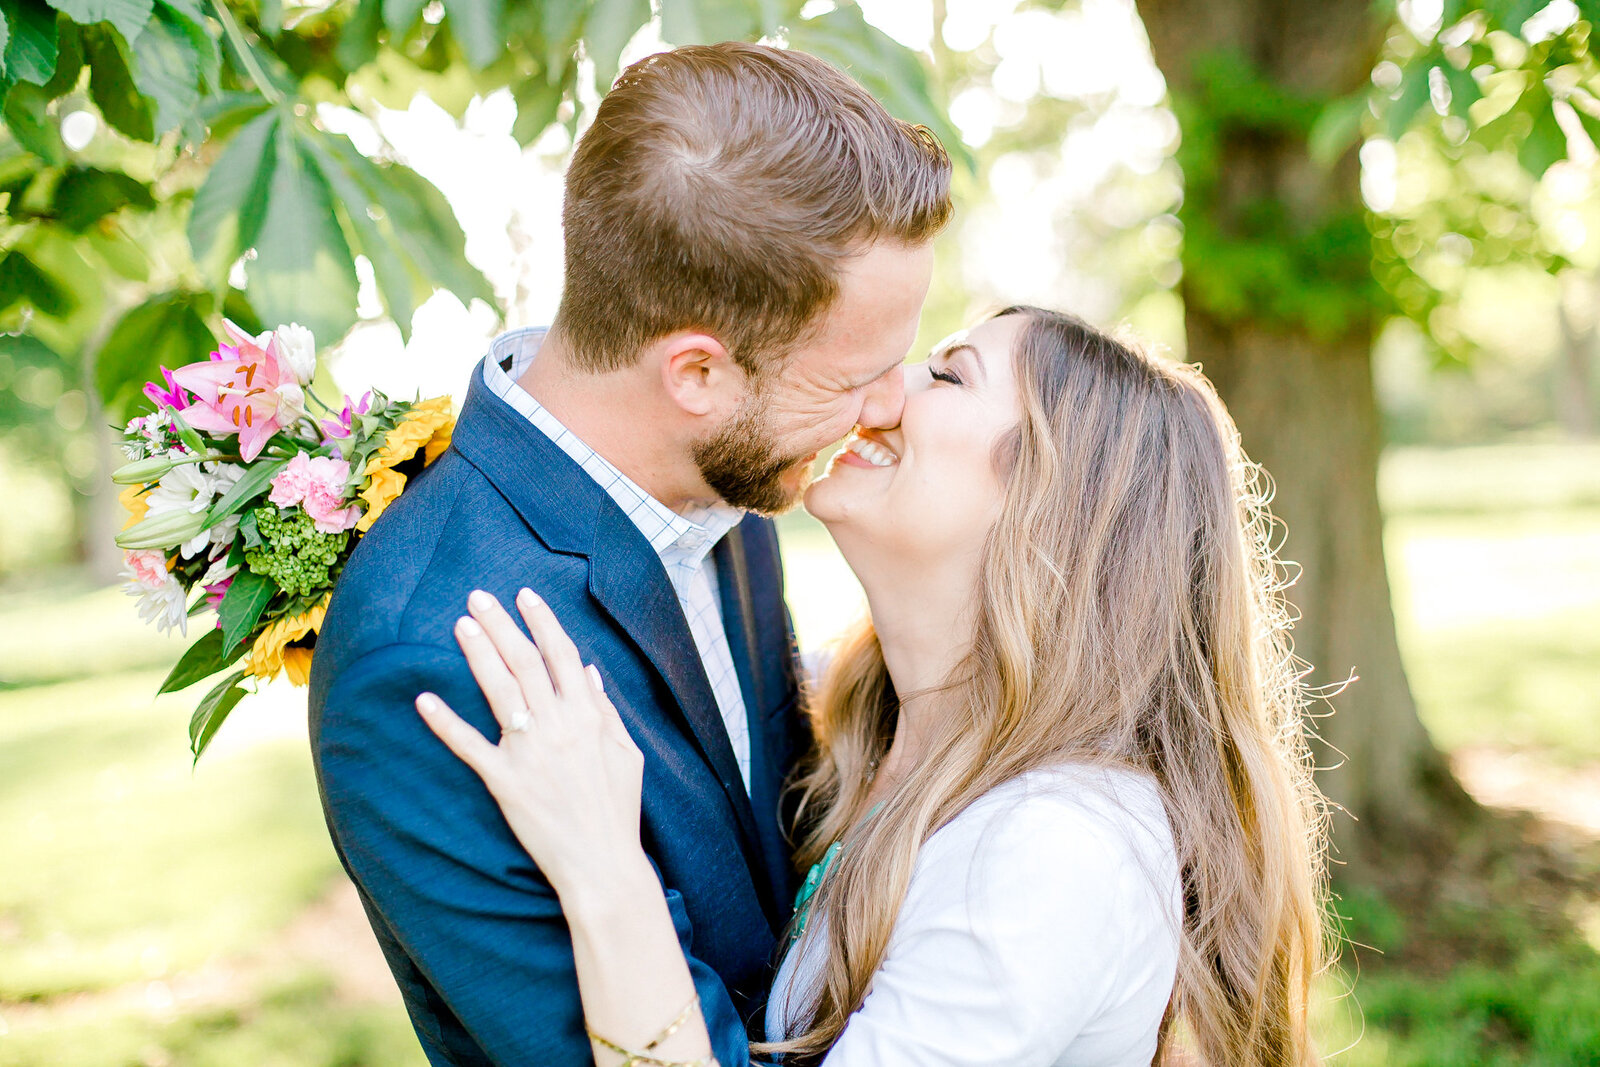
1306	411
1575	379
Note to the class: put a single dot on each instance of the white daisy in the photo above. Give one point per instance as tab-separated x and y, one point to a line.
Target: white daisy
161	598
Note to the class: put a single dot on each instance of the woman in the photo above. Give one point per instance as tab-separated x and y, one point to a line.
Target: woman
1060	809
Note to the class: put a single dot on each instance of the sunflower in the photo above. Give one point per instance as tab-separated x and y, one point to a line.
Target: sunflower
279	648
427	426
137	500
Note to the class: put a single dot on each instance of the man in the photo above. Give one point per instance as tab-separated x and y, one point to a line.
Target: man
748	246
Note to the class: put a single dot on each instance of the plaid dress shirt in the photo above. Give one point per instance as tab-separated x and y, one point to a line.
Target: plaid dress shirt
683	542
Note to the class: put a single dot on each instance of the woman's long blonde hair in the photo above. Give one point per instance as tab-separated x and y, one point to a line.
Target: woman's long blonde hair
1129	613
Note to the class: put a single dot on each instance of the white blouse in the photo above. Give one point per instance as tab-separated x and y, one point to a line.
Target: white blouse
1040	929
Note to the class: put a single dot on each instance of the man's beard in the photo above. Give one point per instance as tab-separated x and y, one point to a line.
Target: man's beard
742	463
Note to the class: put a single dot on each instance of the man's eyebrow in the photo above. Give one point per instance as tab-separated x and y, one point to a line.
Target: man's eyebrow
896	365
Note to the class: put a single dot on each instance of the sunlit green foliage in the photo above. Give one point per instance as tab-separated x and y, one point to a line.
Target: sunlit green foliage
1264	259
1480	106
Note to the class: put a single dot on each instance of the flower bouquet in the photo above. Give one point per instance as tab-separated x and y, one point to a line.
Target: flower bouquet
236	493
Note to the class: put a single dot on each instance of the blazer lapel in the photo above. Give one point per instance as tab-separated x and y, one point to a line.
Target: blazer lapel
740	621
570	513
626	578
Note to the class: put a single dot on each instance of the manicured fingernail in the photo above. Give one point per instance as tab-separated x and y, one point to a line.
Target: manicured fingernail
480	600
427	702
528	598
469	626
594	676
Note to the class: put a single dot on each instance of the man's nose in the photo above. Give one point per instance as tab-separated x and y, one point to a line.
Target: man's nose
884	402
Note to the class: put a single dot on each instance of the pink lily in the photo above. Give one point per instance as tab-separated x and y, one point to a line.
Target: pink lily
172	396
243	388
340	426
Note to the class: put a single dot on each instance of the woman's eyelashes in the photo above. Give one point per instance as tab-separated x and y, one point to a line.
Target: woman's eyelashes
945	375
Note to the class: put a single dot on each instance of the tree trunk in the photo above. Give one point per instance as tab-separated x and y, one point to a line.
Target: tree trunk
1306	411
96	515
1575	378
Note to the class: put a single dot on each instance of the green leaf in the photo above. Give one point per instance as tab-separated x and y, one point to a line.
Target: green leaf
225	112
241	609
86	195
191	11
255	480
237	307
249	537
1337	129
122	253
358	38
128	16
1414	95
538	102
168	330
166	69
401	283
561	25
400	15
69	59
303	271
421	217
30	123
213	712
1591	125
1544	145
1517	12
609	28
111	83
20	280
708	21
189	18
892	72
203	659
229	207
476	26
1464	89
30	53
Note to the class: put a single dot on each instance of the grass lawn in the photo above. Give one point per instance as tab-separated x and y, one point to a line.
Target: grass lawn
143	899
148	910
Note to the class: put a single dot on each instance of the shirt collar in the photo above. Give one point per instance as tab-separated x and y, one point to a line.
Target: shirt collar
676	537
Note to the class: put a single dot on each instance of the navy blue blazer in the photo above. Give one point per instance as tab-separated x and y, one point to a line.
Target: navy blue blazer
473	932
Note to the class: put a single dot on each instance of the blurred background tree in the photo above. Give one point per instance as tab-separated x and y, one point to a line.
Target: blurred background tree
1282	260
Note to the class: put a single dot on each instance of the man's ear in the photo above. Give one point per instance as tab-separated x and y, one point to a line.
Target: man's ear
698	373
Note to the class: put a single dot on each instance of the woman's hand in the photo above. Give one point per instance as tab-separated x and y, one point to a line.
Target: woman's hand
565	773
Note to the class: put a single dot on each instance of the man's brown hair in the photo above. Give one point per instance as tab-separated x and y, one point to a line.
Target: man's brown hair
720	187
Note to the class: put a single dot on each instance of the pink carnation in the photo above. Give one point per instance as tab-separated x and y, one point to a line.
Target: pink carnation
292	483
147	567
317	483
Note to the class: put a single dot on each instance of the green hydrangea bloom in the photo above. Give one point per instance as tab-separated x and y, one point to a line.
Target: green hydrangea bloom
293	553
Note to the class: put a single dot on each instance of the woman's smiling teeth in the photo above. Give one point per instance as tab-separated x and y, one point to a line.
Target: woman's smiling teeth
871	451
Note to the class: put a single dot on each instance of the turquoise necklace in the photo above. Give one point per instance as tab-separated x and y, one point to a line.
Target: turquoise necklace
808	888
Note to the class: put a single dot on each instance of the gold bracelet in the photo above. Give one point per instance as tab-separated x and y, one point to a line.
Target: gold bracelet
631	1058
675	1025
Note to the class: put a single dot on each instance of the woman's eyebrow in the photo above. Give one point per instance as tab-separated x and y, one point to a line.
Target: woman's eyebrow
951	351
